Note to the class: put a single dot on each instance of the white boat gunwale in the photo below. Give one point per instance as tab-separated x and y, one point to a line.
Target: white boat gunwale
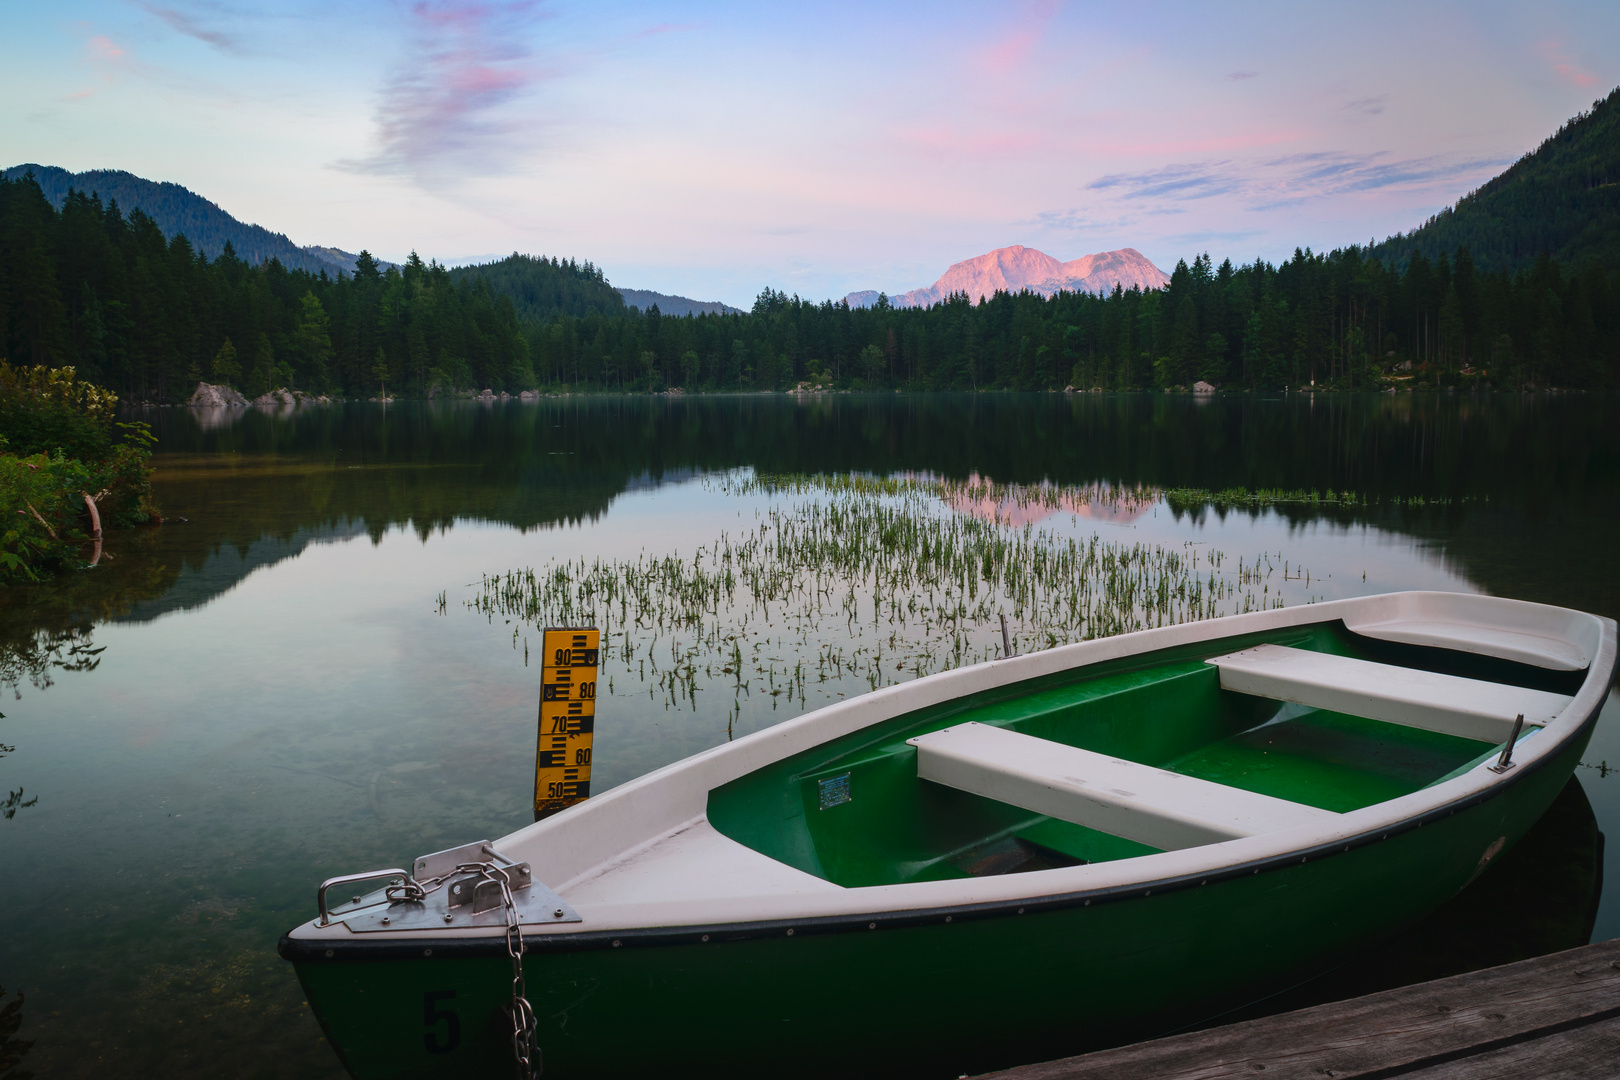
480	943
922	903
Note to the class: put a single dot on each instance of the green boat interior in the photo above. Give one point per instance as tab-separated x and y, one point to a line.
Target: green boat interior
856	812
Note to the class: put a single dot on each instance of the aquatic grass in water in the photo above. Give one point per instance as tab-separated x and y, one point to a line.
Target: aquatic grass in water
1182	499
851	580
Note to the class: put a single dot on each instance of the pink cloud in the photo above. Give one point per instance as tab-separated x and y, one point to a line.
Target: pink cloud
103	47
1563	66
107	57
1010	52
441	114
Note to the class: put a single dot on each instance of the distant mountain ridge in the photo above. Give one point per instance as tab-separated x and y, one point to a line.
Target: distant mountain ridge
539	289
177	210
1018	267
675	305
1561	199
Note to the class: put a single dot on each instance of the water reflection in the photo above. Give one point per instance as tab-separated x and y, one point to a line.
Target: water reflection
12	1049
231	708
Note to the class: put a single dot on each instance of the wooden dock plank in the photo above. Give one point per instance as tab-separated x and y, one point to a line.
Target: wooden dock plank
1581	1053
1403	1032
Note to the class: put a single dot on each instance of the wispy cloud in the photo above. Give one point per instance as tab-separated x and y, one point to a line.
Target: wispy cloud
1239	76
1194	180
441	113
1367	106
1291	179
1565	67
191	26
665	28
1287	180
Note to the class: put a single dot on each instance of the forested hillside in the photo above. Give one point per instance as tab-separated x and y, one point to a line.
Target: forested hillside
1338	319
148	317
1561	200
542	288
675	305
177	211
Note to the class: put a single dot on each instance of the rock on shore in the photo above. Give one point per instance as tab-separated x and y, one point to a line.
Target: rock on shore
283	396
207	395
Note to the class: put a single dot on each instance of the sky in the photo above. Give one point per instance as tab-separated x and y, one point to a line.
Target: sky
714	149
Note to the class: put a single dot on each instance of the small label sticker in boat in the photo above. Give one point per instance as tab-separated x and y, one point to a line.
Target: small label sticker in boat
834	792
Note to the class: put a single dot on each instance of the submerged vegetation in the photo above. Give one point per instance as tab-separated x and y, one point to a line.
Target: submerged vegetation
850	580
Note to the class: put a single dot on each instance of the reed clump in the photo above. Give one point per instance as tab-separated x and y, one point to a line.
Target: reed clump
846	583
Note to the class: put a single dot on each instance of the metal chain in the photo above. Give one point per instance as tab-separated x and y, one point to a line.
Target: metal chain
525	1047
524	1035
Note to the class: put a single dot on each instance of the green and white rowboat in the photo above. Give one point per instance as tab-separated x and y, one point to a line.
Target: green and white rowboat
1025	858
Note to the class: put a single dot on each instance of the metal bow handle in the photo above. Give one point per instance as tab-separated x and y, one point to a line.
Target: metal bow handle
347	879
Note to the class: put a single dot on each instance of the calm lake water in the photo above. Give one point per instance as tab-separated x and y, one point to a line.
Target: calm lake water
290	684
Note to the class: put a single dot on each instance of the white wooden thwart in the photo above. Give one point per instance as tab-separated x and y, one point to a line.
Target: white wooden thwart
1470	708
1152	806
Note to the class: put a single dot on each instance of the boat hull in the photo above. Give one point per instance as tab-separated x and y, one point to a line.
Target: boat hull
937	992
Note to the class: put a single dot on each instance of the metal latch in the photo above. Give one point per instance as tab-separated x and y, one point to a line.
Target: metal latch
456	887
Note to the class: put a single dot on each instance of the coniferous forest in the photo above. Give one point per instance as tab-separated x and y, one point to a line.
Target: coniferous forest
149	316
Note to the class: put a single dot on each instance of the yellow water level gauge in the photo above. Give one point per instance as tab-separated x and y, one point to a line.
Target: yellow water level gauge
562	762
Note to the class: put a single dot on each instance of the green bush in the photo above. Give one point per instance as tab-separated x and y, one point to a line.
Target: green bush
60	442
43	409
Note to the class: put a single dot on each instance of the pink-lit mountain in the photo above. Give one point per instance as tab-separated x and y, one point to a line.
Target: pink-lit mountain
1018	267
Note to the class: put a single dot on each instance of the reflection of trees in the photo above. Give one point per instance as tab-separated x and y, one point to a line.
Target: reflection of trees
1502	446
12	1048
263	488
34	656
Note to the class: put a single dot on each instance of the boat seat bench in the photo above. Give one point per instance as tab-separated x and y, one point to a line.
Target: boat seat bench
1162	809
1470	708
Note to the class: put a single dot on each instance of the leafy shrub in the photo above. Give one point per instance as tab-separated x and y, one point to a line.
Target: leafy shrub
60	442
